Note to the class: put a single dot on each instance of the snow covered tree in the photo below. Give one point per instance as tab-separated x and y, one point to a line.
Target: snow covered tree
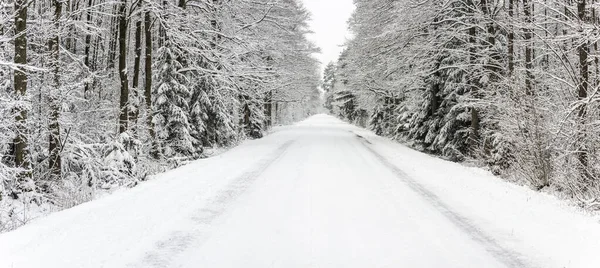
329	81
101	94
20	144
171	104
505	83
329	77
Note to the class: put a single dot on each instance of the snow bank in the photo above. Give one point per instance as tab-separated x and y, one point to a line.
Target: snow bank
538	225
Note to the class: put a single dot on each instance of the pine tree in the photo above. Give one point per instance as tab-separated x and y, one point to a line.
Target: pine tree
171	104
74	122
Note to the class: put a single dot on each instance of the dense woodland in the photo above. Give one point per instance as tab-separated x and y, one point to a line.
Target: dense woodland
511	84
100	94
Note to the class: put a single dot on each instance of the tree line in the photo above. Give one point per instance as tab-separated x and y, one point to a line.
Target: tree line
511	84
98	94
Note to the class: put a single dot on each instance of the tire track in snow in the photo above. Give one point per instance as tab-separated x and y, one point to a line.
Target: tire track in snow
506	256
166	250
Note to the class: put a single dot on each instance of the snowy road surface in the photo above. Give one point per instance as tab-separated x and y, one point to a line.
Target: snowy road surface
321	193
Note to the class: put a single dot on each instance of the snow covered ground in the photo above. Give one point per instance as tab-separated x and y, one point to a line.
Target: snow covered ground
321	193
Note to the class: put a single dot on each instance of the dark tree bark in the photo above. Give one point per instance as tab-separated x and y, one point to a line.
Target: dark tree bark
492	67
124	99
21	153
162	32
112	46
268	106
148	82
596	58
528	39
434	94
276	113
88	43
583	50
136	66
511	39
473	87
54	163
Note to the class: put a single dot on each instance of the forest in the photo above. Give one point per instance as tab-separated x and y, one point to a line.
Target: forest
511	85
97	95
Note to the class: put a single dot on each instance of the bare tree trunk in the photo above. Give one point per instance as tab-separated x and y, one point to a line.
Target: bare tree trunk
54	163
21	152
276	115
511	38
75	7
112	45
474	133
162	32
492	67
88	43
596	59
528	39
148	83
583	50
124	99
136	68
268	106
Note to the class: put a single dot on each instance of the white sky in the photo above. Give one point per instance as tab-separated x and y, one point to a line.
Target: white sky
328	22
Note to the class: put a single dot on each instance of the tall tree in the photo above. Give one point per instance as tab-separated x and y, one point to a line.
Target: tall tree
54	148
199	57
583	51
134	105
88	45
21	153
148	82
123	72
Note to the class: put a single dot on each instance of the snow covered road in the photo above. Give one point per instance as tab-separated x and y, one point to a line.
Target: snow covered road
321	193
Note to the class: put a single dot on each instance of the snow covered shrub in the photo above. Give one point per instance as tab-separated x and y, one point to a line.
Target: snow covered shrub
83	171
7	182
118	163
498	152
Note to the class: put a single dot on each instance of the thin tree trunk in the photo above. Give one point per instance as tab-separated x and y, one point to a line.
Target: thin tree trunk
148	83
491	40
54	163
596	60
276	115
112	46
474	133
511	38
583	50
88	43
21	152
68	42
136	67
162	32
124	99
528	39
